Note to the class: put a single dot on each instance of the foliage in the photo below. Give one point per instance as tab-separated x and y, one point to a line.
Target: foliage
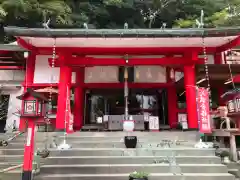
224	154
136	175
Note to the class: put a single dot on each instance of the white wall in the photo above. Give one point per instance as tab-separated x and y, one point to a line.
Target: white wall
12	75
13	107
210	58
43	72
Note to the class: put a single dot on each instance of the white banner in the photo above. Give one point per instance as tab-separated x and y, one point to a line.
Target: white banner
153	123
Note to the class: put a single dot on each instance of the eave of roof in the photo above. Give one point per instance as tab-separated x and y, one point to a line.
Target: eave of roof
193	32
10	47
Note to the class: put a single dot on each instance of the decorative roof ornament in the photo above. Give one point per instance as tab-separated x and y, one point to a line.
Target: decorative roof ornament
201	23
46	24
163	26
125	25
85	25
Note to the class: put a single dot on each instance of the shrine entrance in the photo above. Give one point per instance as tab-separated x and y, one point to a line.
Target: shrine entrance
149	102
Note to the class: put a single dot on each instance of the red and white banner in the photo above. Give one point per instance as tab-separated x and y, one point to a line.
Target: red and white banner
68	115
203	111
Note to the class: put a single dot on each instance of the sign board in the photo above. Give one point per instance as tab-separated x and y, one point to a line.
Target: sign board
68	114
146	117
29	136
153	123
182	119
105	118
203	111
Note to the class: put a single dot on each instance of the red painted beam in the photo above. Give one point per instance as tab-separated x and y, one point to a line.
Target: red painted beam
229	45
11	67
236	79
114	50
90	61
125	50
130	85
26	45
108	85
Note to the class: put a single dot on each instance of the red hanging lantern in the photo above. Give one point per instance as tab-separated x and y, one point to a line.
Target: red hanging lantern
172	74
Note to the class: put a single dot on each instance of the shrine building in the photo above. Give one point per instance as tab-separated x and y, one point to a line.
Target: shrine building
163	68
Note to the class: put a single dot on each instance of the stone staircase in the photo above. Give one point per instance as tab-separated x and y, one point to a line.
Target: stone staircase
12	155
103	156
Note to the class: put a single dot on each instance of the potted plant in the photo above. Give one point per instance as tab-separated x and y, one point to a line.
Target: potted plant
130	141
225	157
179	126
138	176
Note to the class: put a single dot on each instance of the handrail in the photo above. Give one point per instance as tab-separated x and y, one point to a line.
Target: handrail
5	142
15	136
35	161
11	168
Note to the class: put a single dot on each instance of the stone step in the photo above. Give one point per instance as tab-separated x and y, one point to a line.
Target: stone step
132	152
15	174
121	138
128	168
153	176
130	160
108	139
4	165
136	133
121	152
11	158
102	144
116	136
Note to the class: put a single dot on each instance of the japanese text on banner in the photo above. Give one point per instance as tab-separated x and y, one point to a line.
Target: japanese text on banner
203	110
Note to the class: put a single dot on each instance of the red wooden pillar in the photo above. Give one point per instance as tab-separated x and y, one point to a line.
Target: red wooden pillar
218	58
64	83
172	102
29	77
79	100
29	151
190	87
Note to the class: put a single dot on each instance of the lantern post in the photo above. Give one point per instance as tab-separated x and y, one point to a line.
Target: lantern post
29	151
33	111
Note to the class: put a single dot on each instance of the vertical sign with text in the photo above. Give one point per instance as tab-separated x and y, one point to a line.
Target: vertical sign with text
203	111
68	115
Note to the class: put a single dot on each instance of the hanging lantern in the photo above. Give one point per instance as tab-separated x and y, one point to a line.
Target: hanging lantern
137	73
126	73
128	125
33	104
172	74
26	54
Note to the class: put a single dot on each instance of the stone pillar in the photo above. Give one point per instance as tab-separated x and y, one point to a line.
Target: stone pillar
190	87
79	100
64	86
